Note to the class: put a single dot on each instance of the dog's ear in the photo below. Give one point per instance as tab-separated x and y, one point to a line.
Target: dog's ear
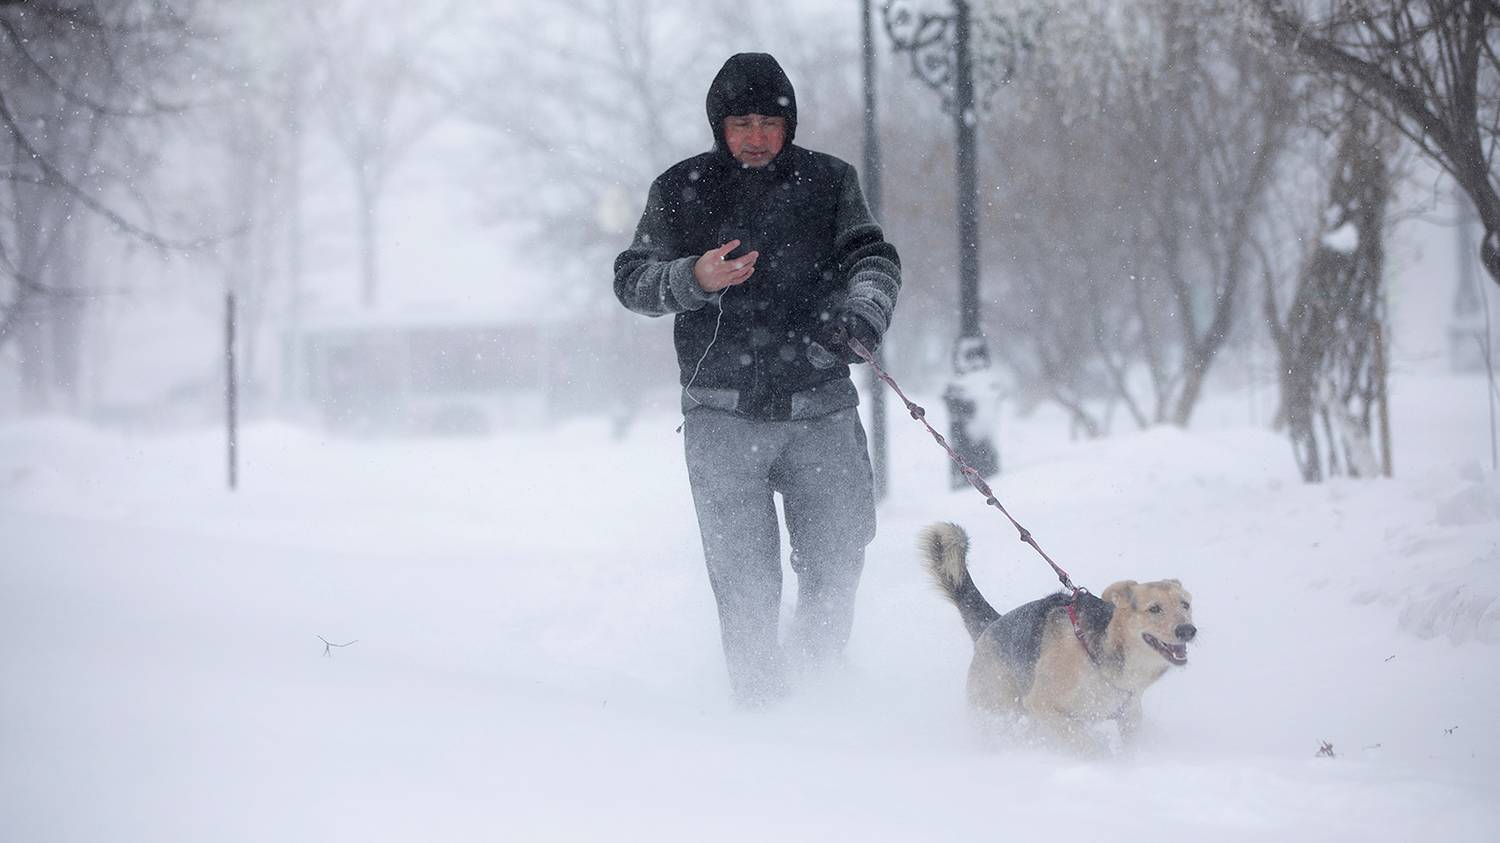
1121	594
1177	583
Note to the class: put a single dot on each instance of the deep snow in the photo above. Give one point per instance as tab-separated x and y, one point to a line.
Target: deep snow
536	654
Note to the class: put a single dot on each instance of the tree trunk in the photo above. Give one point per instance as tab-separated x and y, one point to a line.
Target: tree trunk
369	246
66	312
1202	351
30	345
291	186
1331	344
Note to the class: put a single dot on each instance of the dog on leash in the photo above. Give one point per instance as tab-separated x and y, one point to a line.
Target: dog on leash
1064	676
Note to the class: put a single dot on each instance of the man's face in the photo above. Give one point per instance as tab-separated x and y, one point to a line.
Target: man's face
754	139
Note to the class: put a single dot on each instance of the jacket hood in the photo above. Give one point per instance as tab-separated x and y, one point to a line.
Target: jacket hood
751	83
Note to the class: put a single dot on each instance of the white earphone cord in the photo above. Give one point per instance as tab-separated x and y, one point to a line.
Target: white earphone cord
688	390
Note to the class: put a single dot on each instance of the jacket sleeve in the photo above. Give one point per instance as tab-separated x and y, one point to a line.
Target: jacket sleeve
870	266
653	277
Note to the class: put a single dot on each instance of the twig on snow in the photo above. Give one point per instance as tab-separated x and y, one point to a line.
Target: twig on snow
328	645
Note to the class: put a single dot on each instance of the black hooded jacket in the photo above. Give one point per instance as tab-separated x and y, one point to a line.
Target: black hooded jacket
820	254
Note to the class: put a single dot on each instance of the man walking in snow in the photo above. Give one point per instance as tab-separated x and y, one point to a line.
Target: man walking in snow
767	257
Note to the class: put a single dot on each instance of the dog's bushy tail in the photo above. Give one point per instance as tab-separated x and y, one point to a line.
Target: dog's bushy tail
945	550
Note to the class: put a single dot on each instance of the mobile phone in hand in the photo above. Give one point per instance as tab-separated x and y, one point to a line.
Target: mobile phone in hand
736	232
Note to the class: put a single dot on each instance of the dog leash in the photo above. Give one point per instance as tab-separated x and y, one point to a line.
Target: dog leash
972	475
969	472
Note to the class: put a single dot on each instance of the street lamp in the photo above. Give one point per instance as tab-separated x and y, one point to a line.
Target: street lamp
879	459
954	54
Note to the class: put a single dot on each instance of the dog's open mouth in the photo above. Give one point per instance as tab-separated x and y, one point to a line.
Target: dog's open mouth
1174	653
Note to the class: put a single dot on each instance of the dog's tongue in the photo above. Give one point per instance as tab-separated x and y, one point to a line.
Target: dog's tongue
1177	652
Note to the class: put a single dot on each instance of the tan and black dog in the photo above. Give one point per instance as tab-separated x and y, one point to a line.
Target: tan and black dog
1030	661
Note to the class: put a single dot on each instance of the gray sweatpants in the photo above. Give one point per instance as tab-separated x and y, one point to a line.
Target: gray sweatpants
821	468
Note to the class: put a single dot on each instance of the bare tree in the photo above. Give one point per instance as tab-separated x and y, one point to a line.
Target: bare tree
585	102
1135	178
381	88
255	129
84	88
1235	131
1429	67
1329	338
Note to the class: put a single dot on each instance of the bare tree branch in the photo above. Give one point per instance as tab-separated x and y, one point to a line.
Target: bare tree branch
54	177
1421	68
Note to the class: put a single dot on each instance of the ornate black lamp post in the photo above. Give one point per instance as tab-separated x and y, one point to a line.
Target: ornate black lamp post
879	461
959	54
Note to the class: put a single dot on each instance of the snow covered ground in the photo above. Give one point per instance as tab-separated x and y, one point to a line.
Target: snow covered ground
535	653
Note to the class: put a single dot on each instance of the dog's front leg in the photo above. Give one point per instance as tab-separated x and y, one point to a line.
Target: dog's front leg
1130	721
1068	732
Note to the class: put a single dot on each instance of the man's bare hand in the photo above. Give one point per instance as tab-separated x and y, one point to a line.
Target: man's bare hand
714	271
